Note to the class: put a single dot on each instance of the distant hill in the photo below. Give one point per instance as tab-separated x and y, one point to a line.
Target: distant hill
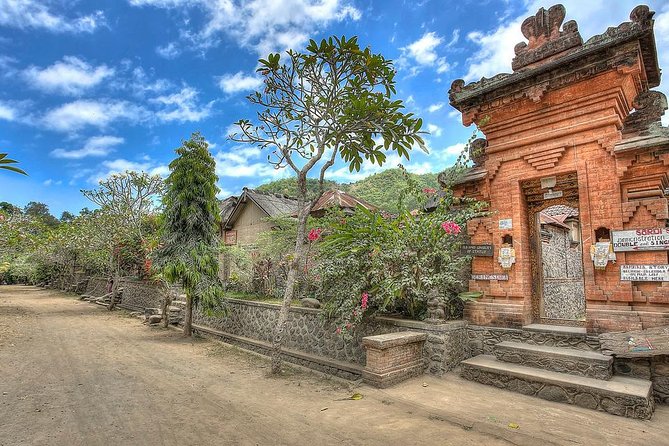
288	186
381	189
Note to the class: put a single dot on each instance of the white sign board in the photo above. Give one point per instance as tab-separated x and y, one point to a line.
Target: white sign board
644	273
653	239
506	223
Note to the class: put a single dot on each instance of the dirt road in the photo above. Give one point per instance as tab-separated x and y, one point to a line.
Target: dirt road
71	373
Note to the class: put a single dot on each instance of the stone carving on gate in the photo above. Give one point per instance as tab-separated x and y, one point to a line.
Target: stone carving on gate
545	38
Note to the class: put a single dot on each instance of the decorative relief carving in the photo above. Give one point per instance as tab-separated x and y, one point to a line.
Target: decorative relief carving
646	118
477	151
545	38
546	159
474	224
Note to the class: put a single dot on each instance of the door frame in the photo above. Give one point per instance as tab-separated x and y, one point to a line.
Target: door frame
567	183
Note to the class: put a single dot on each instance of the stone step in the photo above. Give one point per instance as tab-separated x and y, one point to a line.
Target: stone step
628	397
556	329
558	359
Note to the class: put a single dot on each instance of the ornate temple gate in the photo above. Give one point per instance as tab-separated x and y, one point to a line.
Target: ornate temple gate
575	125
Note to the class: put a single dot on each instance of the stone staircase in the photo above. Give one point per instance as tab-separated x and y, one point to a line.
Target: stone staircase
561	374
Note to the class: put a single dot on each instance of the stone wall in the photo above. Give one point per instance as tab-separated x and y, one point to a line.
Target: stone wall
310	333
140	294
97	286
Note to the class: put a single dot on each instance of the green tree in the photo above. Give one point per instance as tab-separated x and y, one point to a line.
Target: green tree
127	200
332	101
67	217
189	250
40	211
6	163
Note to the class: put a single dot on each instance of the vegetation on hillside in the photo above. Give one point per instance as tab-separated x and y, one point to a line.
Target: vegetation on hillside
381	189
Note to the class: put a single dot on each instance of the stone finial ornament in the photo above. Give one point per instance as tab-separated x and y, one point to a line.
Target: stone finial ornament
646	118
477	151
642	15
545	38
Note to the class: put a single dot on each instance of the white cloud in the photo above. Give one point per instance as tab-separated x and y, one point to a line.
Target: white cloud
76	115
233	83
434	130
422	53
37	14
245	161
70	76
182	107
423	49
95	146
51	182
7	112
169	51
262	25
435	107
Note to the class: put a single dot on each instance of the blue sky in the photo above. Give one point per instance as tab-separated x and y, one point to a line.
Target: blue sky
89	88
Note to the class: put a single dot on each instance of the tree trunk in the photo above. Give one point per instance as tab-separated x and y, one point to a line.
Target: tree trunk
114	292
302	216
167	301
188	319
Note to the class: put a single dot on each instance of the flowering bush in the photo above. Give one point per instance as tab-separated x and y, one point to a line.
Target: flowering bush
371	263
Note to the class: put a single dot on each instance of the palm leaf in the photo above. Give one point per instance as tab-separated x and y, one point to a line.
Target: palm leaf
4	161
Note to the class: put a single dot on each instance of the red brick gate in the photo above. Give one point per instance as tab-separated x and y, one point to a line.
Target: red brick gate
575	122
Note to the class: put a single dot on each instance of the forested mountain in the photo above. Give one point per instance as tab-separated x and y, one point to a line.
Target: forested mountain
381	189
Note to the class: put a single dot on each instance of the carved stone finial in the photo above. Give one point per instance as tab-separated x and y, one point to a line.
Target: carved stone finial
545	25
456	87
545	39
649	108
477	151
642	15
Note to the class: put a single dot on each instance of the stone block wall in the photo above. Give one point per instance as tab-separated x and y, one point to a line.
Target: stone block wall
140	294
97	286
310	333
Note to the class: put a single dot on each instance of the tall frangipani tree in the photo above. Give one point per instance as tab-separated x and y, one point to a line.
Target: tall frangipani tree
334	100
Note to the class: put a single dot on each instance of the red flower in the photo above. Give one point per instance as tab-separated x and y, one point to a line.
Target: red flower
429	191
450	227
365	298
314	234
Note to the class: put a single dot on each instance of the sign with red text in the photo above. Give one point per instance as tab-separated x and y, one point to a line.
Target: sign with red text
652	239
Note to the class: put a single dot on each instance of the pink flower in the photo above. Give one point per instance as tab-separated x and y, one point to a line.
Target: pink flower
450	227
338	330
429	191
314	234
365	298
348	326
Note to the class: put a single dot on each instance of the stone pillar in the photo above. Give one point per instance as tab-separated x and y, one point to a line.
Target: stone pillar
393	357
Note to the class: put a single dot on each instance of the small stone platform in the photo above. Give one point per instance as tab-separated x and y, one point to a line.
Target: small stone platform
393	357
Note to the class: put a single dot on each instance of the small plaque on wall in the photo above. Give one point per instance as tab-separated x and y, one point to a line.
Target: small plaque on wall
506	223
476	250
490	277
231	237
644	273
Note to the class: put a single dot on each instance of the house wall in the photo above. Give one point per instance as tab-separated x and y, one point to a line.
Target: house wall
252	221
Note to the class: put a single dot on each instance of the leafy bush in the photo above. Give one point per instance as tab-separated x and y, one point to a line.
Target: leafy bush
371	262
